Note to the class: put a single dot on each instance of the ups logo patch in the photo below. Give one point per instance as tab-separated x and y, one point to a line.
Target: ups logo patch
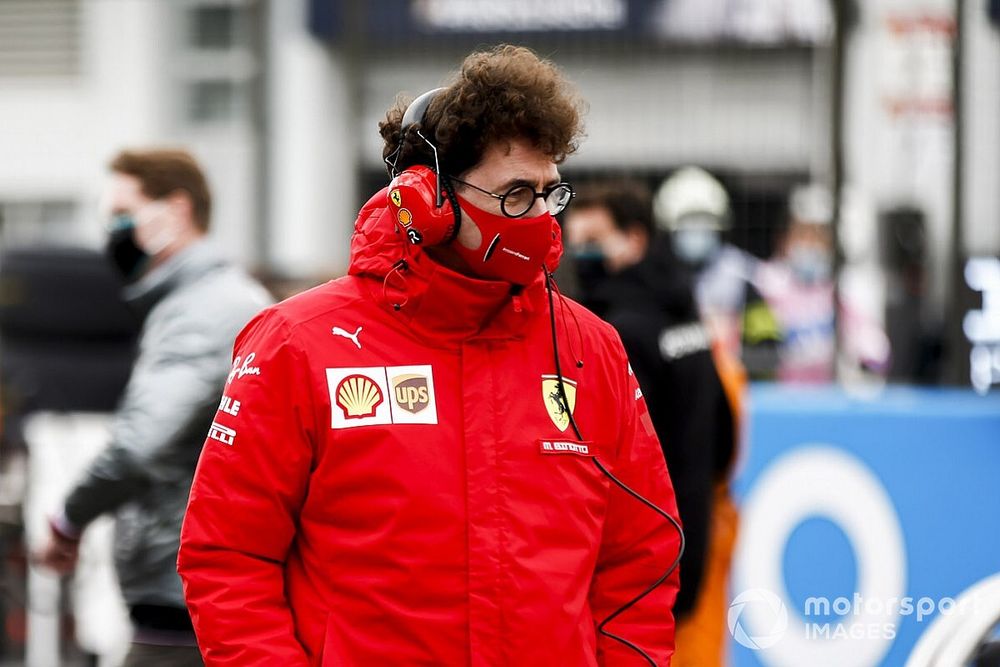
411	392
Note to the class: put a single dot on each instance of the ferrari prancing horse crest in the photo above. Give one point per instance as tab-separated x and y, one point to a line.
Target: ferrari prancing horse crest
557	409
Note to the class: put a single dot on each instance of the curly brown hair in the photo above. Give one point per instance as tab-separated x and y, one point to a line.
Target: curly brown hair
498	95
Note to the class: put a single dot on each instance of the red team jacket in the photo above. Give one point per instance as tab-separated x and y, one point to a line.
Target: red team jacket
400	487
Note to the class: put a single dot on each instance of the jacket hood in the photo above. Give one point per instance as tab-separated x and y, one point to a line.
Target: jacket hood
430	295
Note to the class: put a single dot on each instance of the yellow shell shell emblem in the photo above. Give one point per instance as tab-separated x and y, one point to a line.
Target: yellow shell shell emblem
558	412
358	397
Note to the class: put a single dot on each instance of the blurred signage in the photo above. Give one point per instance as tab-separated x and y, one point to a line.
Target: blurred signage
917	55
380	23
861	522
982	327
396	22
520	15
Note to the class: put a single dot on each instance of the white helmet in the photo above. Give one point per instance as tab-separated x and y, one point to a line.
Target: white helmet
691	197
811	204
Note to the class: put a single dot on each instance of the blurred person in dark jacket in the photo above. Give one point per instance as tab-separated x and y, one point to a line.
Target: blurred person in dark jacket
192	303
630	276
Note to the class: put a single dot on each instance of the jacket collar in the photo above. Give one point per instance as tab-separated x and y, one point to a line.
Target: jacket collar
660	281
435	302
187	265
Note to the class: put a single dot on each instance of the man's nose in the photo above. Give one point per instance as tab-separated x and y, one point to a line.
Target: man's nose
537	208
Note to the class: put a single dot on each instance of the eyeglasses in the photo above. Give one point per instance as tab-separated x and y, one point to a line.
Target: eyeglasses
519	199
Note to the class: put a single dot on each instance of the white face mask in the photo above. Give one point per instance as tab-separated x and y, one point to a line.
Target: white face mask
163	237
810	264
695	245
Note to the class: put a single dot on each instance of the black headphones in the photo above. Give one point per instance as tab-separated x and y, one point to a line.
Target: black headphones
422	198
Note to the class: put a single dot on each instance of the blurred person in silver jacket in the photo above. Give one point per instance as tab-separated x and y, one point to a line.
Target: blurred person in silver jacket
192	302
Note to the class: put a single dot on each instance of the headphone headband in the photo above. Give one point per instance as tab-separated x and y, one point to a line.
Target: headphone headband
415	112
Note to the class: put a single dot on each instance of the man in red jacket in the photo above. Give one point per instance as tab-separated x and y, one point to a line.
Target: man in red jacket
423	463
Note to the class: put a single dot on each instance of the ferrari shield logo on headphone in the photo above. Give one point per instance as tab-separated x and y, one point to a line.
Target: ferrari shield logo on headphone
424	222
558	412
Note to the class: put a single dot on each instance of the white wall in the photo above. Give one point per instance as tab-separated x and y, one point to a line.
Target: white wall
901	159
750	111
742	110
311	146
57	134
981	190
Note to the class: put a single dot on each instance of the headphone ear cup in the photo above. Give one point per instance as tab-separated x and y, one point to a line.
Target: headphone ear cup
413	203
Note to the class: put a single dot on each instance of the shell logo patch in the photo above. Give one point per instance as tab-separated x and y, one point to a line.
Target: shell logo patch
365	396
558	411
404	217
358	396
395	198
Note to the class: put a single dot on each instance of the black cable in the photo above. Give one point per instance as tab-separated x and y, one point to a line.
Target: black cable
666	575
624	487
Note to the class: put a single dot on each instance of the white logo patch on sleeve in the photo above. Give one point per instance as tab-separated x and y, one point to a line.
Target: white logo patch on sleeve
223	434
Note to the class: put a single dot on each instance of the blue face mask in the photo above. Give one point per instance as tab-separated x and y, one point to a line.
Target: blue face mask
809	264
125	255
695	245
586	252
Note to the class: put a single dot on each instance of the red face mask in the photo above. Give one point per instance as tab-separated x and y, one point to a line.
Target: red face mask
512	249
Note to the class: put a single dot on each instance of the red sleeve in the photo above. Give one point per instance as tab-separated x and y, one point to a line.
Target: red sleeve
247	491
638	544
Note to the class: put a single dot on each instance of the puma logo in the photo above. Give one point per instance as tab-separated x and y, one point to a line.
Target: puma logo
337	331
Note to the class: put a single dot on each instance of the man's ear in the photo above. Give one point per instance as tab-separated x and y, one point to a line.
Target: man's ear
180	202
638	241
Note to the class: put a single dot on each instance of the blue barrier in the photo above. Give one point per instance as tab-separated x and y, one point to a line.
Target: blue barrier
860	520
